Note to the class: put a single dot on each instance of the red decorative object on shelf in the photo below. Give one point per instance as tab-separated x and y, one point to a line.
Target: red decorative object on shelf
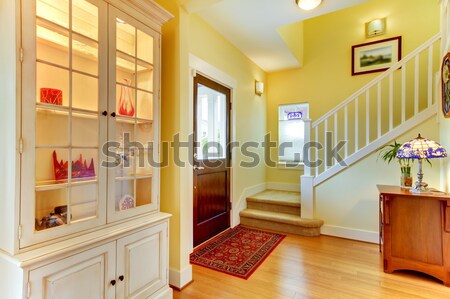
126	106
51	96
79	168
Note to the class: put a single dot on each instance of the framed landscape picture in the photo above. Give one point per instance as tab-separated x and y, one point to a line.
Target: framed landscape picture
376	56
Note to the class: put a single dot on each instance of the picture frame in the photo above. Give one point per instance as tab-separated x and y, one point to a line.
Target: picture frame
376	56
445	85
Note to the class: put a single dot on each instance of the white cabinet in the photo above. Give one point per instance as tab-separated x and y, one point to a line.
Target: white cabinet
134	266
80	109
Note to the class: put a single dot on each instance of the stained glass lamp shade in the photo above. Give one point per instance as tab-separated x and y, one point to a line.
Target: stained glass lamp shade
421	148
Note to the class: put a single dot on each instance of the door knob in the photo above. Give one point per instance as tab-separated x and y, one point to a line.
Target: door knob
121	277
113	282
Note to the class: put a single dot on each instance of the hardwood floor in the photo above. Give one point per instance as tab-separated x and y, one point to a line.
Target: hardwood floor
316	267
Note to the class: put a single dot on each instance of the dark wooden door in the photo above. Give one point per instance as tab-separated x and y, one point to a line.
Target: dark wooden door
211	159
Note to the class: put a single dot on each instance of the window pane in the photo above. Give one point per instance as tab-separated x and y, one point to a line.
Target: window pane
143	191
51	166
85	55
85	129
84	164
52	44
52	127
85	18
126	38
125	195
144	105
211	123
84	202
85	92
55	82
56	11
46	204
145	46
291	131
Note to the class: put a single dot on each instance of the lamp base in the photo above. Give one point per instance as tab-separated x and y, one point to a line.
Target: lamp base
420	188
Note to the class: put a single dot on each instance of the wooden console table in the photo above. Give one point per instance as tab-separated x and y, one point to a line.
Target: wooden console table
415	231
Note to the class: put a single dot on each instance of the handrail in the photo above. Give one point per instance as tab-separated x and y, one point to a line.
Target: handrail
385	74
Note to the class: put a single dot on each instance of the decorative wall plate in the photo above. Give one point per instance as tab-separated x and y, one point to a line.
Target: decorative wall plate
445	78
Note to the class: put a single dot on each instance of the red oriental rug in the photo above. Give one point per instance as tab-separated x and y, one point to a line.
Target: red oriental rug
238	251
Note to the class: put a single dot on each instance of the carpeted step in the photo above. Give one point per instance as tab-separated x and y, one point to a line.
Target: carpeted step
281	222
275	201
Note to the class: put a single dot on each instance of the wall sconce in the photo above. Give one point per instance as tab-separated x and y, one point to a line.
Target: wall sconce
259	88
376	27
308	4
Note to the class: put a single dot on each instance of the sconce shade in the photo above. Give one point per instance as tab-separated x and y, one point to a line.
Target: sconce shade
308	4
421	148
259	88
376	27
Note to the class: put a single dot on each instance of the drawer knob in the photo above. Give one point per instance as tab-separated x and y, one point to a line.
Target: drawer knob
113	282
121	277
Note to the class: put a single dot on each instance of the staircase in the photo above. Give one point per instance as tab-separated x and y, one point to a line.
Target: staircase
390	105
278	211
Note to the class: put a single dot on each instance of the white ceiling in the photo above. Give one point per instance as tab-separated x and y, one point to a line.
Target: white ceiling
251	25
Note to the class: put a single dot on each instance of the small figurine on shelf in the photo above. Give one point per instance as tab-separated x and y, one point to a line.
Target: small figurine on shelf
126	106
56	218
51	96
79	168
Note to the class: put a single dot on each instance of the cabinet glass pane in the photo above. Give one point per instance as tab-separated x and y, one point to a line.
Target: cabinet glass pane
54	10
125	37
144	46
143	191
125	195
52	127
84	55
143	159
52	44
145	77
125	69
85	18
84	164
51	166
85	92
84	202
52	85
51	208
85	129
144	105
124	130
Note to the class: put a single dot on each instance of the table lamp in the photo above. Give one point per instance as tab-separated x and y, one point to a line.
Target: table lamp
420	148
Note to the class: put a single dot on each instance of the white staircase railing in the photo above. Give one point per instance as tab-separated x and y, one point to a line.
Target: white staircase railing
391	104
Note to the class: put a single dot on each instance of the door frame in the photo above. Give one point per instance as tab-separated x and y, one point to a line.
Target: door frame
197	65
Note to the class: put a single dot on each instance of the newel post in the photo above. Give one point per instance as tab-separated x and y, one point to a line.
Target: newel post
306	180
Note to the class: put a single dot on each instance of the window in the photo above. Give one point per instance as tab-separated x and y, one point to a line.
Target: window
291	132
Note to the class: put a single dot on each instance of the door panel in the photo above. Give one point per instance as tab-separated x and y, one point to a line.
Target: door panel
141	261
211	159
85	275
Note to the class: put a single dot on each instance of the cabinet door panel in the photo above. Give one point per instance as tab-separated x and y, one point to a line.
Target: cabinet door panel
84	275
133	58
142	260
64	91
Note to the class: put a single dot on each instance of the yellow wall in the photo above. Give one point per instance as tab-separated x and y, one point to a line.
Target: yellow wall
325	78
350	199
249	109
183	35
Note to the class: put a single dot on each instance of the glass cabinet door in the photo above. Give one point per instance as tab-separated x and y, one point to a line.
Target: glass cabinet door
132	98
64	48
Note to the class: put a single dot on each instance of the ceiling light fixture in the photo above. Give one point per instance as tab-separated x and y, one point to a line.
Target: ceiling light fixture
308	4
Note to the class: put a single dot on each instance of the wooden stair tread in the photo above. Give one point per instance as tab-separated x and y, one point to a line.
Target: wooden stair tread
281	218
285	198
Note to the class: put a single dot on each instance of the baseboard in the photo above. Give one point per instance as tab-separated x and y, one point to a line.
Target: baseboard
178	278
242	203
283	186
350	233
165	293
